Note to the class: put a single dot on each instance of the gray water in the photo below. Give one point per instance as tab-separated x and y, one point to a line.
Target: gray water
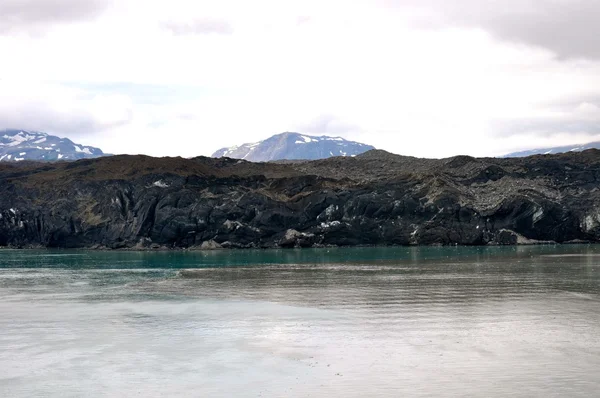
378	322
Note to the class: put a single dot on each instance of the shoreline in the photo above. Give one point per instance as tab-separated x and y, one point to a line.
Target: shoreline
163	249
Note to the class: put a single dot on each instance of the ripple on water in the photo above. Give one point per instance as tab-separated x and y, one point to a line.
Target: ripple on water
513	324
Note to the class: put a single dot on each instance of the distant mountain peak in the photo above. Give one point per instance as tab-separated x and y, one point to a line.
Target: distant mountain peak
19	145
555	150
294	146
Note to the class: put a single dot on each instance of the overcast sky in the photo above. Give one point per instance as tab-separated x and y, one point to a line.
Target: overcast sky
430	78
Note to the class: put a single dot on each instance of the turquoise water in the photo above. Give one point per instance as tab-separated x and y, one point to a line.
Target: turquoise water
80	259
481	321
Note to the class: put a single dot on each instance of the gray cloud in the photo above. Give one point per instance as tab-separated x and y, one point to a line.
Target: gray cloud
569	103
572	116
578	116
569	28
42	116
33	16
201	26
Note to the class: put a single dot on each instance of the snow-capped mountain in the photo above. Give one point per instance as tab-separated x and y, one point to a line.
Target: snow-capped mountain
294	146
558	149
19	145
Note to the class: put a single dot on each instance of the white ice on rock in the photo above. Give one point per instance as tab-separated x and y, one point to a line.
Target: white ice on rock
160	184
18	138
84	150
330	224
308	139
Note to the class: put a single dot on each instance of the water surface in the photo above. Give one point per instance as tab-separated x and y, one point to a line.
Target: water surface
388	322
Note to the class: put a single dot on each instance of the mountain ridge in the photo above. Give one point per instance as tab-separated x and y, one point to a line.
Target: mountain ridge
18	145
293	146
554	150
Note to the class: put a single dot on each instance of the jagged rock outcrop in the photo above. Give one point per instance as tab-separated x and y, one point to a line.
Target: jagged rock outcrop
141	202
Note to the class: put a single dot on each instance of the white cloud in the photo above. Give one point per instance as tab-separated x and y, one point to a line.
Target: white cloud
200	26
60	110
354	69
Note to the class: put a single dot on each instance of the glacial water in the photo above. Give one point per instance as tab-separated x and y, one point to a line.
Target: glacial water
363	322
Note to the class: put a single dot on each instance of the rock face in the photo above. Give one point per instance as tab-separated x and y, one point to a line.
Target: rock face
374	198
293	146
20	145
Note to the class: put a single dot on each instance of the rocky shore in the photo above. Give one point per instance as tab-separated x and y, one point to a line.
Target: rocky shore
377	198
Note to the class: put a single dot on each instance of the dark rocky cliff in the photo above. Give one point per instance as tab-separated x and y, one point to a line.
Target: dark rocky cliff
374	198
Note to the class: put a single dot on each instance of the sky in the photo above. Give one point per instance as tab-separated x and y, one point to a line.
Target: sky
429	78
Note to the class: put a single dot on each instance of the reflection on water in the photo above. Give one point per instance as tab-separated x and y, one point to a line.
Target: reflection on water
390	322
